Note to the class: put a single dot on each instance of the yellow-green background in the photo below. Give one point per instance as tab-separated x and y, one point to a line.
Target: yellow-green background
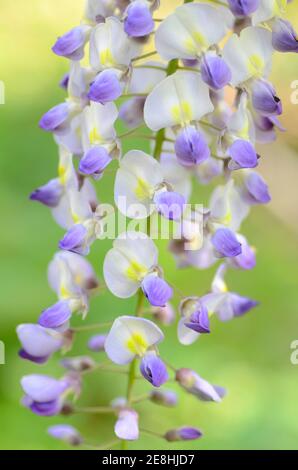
249	356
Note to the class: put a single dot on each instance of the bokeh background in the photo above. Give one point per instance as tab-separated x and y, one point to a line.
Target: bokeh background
250	356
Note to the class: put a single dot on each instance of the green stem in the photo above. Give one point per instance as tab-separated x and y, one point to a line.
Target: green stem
95	326
130	132
144	56
95	409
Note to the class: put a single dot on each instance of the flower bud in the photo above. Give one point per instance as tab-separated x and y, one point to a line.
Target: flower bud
284	37
163	397
243	7
226	243
78	364
66	433
191	147
105	88
199	319
154	370
49	194
196	385
74	240
55	118
256	189
247	257
138	21
157	291
170	204
215	72
166	315
97	343
243	154
183	434
94	162
71	44
264	99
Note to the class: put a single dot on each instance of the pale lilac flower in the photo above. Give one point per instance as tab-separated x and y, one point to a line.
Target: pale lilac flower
191	147
131	337
97	343
127	426
105	88
284	37
38	343
66	433
43	394
215	72
196	385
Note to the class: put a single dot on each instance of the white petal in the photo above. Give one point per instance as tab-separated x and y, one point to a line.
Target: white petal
187	32
186	336
176	175
139	247
144	79
115	269
98	124
110	46
130	337
236	59
257	43
177	100
268	9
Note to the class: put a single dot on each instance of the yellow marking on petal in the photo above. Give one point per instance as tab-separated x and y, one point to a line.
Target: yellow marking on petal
106	57
137	344
279	7
182	112
136	271
64	292
94	136
244	132
75	217
226	220
195	43
142	190
62	174
256	65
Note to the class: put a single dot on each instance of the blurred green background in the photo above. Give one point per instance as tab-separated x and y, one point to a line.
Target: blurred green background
250	356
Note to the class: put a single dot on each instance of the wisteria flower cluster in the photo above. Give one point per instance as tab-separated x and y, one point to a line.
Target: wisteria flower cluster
195	84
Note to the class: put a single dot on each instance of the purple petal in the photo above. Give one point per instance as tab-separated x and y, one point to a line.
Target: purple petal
138	22
64	81
55	316
284	37
183	434
157	291
94	161
257	189
242	305
264	98
37	360
71	44
97	343
247	258
154	370
66	433
243	153
74	240
243	7
105	88
55	118
199	320
215	72
49	194
170	204
226	243
51	408
191	147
